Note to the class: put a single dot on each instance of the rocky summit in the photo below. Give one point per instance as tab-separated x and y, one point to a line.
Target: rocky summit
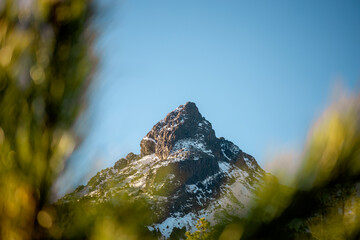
183	171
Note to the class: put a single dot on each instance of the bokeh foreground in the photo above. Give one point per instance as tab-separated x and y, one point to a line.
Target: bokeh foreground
46	64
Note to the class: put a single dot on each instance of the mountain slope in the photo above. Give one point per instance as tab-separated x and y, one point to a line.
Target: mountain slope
183	171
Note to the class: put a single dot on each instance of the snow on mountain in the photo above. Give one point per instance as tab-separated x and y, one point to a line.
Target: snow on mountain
184	171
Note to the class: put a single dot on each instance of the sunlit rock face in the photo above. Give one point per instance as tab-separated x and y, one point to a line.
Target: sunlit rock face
184	171
184	123
185	136
187	142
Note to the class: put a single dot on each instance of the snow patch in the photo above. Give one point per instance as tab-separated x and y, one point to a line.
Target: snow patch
250	163
224	166
223	152
150	139
175	220
192	144
192	188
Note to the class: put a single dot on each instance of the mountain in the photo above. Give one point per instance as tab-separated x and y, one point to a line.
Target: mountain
184	172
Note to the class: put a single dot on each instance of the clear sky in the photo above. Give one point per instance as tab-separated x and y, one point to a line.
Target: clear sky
259	71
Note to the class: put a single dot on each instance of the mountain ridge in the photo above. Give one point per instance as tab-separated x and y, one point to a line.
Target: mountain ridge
183	171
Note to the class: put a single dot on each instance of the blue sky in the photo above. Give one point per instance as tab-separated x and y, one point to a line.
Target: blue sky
259	71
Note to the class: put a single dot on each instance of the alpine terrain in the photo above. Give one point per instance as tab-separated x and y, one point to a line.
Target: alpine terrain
184	172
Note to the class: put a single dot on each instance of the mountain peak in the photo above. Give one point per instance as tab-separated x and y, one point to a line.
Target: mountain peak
184	172
183	123
187	111
190	108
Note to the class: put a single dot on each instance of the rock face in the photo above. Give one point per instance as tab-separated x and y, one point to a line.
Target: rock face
184	171
185	122
184	133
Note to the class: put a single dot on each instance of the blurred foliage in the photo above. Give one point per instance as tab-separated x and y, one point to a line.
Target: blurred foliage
204	231
324	202
121	217
46	64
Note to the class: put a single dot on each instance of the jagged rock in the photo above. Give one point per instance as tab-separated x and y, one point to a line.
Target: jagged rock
121	163
132	157
185	122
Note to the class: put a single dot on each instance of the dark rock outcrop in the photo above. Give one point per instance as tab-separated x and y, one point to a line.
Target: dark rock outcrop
185	122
